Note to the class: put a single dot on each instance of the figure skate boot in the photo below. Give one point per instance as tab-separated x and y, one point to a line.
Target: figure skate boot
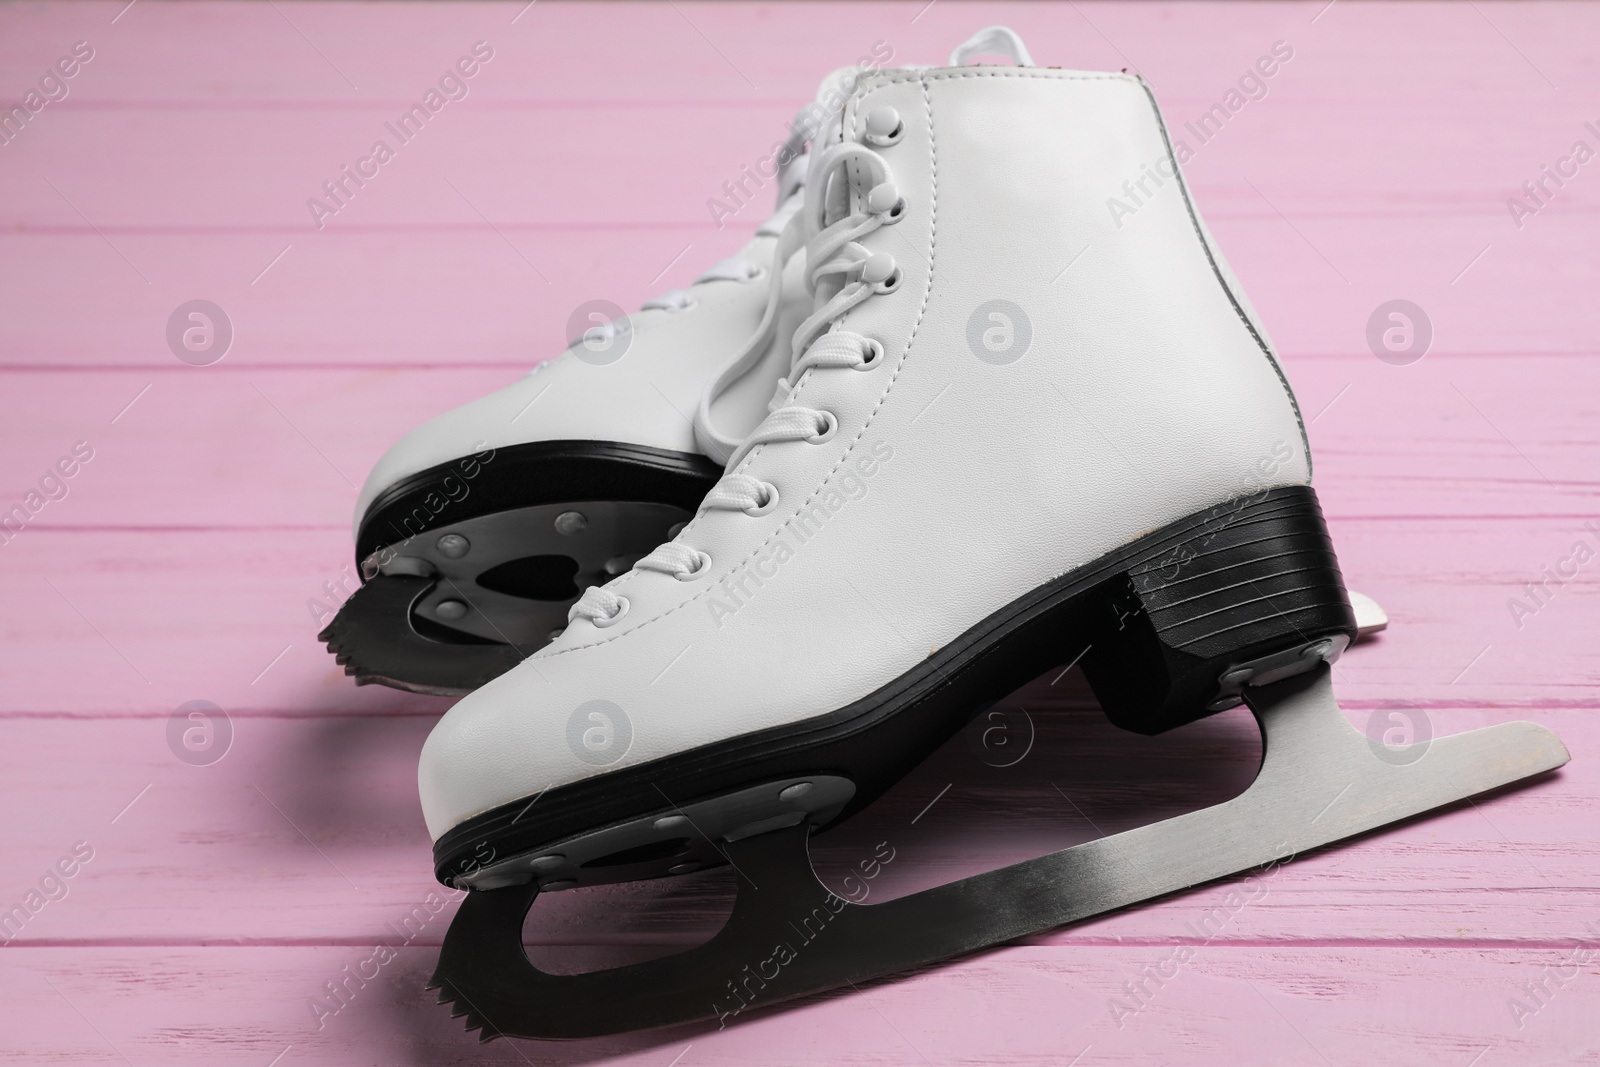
476	532
1014	435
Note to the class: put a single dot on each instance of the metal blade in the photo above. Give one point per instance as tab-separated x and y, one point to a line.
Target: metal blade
1370	616
373	640
1320	781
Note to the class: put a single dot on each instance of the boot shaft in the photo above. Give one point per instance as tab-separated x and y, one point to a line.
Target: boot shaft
1072	334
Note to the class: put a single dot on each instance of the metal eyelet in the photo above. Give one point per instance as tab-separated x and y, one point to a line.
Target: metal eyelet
882	198
622	609
875	346
827	434
877	268
884	127
703	565
767	505
889	284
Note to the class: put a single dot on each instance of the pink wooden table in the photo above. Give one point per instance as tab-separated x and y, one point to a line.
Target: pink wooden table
187	558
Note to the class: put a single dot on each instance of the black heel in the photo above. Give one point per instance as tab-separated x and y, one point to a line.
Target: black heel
1244	594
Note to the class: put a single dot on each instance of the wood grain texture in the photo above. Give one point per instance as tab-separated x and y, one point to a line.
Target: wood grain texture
190	557
1445	437
1301	1006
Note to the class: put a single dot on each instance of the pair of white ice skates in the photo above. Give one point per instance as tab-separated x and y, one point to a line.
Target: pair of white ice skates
1009	435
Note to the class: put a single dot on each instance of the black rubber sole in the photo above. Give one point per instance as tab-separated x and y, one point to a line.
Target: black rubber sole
1168	628
541	472
386	633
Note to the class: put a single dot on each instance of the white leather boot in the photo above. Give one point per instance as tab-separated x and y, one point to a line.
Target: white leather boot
1015	435
476	532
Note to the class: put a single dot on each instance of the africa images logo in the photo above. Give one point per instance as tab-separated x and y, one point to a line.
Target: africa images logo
599	733
999	332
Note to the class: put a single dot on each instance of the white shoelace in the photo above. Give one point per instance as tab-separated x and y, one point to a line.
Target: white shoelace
841	273
844	274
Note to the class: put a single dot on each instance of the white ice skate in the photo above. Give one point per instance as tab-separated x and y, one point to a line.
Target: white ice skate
1014	435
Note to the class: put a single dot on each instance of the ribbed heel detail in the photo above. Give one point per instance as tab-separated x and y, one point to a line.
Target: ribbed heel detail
1244	591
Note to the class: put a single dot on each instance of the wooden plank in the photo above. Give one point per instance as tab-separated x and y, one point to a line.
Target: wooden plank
376	299
303	808
241	447
138	621
1307	1005
500	161
768	52
338	298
